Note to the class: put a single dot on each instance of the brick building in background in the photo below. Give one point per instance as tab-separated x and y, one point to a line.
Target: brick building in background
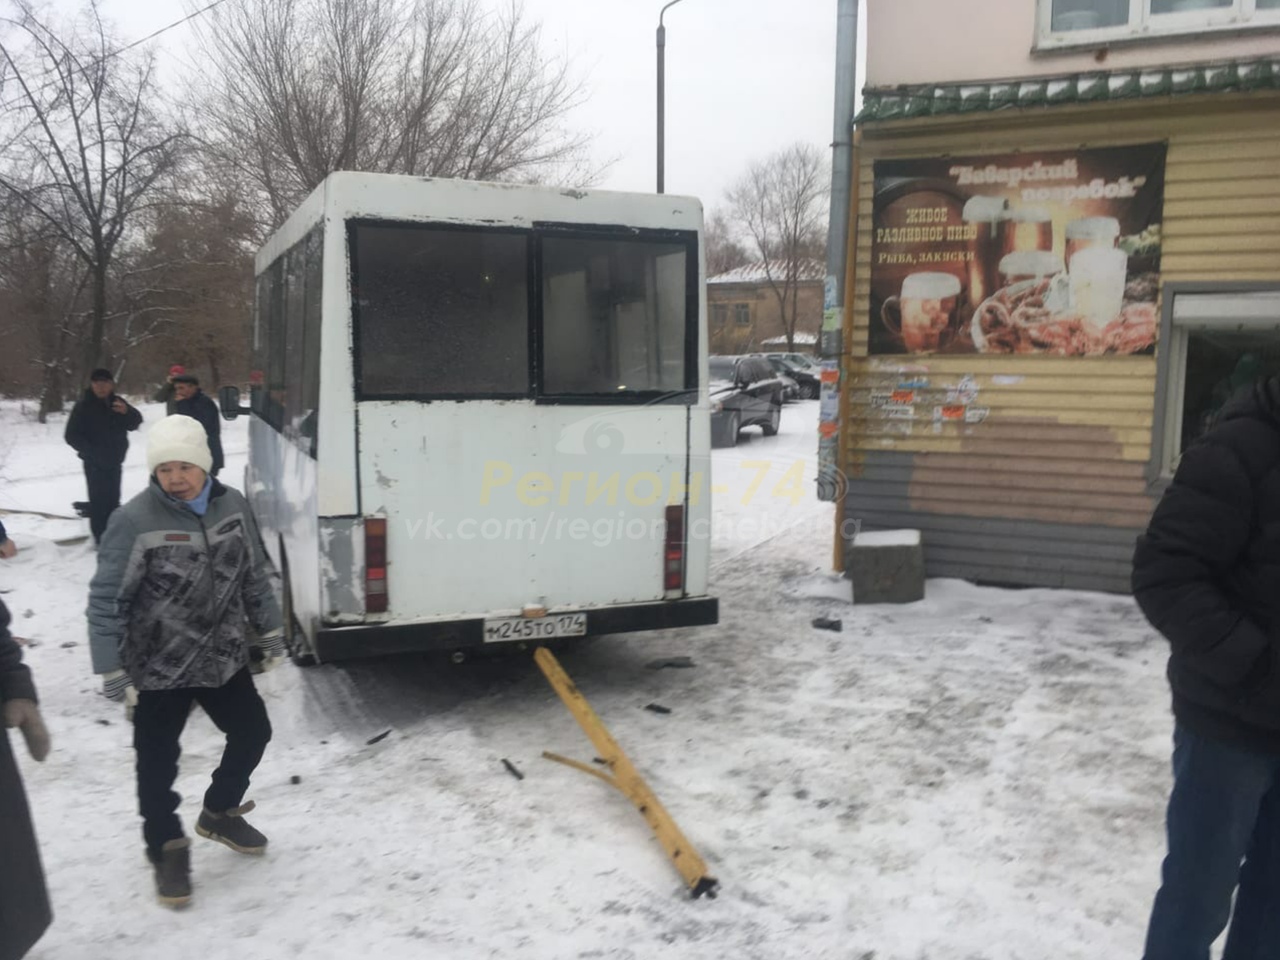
746	313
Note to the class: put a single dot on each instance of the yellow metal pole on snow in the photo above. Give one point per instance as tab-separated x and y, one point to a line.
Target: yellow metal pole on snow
623	776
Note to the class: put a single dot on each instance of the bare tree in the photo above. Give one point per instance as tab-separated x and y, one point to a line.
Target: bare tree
296	89
780	204
83	149
42	296
190	289
724	252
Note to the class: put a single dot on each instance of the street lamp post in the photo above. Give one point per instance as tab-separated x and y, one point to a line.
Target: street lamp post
662	44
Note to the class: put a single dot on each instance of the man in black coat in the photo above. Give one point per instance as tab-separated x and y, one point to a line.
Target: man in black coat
24	901
194	403
98	430
1207	576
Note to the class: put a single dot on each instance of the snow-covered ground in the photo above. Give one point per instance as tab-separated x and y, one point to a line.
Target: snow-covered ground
978	775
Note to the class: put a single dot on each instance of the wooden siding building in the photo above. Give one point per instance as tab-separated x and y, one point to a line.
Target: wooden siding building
1043	468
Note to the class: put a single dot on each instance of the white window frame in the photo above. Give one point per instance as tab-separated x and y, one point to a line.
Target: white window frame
1236	308
1145	25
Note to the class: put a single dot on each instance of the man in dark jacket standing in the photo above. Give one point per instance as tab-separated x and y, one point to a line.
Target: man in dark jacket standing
1207	576
24	902
98	430
194	403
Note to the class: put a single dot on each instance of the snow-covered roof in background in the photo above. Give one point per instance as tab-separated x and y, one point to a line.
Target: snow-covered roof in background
755	273
800	339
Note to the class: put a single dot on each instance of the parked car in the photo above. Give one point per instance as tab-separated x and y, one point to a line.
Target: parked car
790	389
801	360
807	384
745	391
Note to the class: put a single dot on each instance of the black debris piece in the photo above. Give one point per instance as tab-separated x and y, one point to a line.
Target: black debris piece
657	708
511	767
295	779
382	736
678	663
823	623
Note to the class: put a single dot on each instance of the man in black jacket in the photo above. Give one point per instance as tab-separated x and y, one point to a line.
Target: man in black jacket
193	402
98	430
1207	576
24	901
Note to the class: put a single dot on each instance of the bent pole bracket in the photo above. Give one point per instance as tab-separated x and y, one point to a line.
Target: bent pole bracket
624	777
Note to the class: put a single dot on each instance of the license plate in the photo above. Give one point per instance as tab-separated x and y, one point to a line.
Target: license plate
535	628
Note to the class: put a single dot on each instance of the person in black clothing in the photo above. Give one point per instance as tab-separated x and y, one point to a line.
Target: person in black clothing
1207	575
98	430
194	403
24	900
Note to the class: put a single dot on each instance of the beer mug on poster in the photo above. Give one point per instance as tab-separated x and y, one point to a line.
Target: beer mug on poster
926	311
1091	232
1028	265
988	218
1097	285
1029	228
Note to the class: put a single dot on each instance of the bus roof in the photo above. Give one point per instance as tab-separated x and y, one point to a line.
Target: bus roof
379	196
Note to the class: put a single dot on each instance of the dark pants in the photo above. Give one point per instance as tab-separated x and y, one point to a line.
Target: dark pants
236	710
104	495
1225	808
24	902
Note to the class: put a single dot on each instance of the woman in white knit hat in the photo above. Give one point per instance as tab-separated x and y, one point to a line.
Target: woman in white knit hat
180	569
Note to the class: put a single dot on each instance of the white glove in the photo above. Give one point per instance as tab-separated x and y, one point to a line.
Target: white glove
268	652
117	686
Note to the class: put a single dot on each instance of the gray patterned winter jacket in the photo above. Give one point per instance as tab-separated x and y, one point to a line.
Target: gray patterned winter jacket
169	601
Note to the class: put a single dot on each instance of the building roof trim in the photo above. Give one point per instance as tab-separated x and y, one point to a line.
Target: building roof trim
930	99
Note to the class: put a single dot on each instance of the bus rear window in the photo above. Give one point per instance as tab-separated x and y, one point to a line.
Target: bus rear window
440	313
614	317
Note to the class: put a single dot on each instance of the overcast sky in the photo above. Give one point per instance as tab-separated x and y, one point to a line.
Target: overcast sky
744	78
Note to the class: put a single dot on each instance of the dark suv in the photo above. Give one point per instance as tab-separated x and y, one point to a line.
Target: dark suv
806	380
745	391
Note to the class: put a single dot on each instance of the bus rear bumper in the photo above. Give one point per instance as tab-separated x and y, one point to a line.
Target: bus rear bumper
348	643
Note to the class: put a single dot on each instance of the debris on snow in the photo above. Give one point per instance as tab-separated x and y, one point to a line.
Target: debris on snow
511	767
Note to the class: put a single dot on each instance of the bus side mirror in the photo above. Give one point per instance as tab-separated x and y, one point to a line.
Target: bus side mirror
229	401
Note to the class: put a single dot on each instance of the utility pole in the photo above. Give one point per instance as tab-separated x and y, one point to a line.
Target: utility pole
662	45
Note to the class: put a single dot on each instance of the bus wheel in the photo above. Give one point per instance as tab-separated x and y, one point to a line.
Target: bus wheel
294	639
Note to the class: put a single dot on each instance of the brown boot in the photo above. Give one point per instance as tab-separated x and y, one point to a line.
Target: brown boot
173	872
230	827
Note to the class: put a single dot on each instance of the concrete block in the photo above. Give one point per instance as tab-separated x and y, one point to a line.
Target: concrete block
886	566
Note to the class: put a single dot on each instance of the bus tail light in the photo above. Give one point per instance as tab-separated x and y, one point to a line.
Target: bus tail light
673	551
375	564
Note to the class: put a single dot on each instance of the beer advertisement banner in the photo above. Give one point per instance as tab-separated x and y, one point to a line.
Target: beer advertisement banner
1037	253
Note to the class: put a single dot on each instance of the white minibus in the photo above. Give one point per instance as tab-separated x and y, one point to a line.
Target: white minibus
479	415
